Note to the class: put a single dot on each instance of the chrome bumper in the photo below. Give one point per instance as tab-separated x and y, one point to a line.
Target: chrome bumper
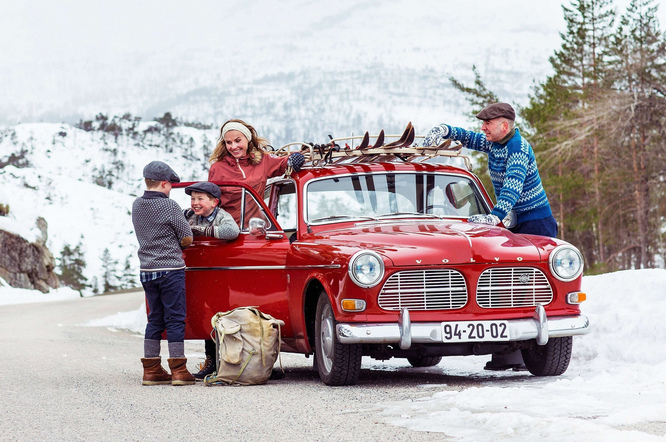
405	332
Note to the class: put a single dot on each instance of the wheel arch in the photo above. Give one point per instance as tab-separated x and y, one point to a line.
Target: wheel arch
314	289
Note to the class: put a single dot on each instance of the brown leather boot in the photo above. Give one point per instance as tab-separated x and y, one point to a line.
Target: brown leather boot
153	373
179	373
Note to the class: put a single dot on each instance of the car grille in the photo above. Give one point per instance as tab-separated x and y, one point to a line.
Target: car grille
441	289
513	287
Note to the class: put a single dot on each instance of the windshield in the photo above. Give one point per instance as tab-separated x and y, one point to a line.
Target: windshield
377	195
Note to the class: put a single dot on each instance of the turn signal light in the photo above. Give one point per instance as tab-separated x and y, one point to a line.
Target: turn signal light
353	305
576	297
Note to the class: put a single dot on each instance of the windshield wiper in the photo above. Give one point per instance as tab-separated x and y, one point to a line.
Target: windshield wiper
399	214
337	217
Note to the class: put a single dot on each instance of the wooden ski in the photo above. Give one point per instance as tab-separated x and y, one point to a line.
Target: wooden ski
366	141
403	138
379	142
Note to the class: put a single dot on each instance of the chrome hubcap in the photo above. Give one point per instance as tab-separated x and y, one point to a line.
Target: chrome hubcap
327	337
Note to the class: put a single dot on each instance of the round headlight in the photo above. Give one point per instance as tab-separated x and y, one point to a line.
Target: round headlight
566	262
366	268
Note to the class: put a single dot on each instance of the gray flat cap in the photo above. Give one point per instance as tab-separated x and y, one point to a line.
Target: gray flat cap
204	186
497	110
160	171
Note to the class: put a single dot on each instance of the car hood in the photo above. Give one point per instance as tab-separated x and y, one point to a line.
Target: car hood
419	243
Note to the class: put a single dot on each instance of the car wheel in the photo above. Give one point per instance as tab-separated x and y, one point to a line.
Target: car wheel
337	364
424	361
551	359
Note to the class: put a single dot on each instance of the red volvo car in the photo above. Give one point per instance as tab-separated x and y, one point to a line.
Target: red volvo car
368	253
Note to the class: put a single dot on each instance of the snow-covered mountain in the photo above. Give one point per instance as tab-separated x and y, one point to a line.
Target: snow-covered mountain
288	64
83	183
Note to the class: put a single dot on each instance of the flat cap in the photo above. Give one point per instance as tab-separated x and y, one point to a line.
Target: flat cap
204	186
160	171
497	110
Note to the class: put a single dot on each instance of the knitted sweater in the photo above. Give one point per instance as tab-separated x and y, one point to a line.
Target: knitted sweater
513	171
160	226
223	225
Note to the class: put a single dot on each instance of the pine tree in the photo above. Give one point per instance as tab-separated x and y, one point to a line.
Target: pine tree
109	278
72	265
478	96
128	279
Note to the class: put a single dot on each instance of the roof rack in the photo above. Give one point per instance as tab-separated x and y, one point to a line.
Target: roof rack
332	153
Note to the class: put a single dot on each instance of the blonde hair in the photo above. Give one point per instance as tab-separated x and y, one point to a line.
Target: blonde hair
255	147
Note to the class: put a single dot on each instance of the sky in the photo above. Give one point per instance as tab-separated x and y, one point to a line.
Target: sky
613	390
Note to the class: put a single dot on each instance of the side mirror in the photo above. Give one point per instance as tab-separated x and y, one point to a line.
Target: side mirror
257	226
459	193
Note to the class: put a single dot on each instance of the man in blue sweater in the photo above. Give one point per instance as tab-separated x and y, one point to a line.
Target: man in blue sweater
512	166
515	177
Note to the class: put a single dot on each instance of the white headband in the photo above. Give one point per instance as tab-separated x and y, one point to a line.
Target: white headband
232	125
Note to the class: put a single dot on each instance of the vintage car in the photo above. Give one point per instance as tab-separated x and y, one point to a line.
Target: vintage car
368	252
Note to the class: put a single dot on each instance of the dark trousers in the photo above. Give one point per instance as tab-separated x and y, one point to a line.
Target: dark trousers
543	227
166	301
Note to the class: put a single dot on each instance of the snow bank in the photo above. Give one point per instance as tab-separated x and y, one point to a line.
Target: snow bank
10	295
615	384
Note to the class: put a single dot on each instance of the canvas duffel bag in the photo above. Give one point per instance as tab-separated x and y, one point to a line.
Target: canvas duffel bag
248	344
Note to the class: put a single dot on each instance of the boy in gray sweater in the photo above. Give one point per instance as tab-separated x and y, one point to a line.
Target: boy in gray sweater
162	232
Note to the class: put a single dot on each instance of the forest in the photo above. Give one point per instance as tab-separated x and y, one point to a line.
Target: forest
597	125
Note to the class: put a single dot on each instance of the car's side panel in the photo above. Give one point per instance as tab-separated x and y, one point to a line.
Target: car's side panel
221	276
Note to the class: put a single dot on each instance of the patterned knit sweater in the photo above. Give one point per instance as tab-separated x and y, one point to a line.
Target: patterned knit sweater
160	226
513	171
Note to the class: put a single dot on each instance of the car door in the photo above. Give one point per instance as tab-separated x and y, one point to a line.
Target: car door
248	271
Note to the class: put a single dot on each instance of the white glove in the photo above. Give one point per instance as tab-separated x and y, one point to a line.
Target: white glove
436	135
492	220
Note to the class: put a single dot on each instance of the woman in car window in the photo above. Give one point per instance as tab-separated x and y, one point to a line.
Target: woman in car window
241	155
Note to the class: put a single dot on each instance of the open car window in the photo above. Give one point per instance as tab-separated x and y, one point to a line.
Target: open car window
286	211
235	200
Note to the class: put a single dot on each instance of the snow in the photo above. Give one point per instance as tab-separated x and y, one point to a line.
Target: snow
10	295
614	389
616	379
17	227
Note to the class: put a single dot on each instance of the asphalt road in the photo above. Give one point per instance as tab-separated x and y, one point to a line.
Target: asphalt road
65	381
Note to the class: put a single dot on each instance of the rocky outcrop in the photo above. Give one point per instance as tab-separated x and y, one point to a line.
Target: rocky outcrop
27	265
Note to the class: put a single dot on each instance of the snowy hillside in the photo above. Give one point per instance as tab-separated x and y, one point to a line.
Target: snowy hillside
83	183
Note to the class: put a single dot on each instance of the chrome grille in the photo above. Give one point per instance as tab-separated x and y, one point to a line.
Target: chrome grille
440	289
513	287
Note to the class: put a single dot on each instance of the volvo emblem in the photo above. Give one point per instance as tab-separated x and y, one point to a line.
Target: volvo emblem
524	278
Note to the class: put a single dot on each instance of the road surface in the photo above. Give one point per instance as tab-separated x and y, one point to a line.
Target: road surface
62	380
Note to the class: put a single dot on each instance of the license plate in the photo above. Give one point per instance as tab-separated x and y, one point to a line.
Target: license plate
471	331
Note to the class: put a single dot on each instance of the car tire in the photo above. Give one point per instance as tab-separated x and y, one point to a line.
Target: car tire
424	361
337	364
551	359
